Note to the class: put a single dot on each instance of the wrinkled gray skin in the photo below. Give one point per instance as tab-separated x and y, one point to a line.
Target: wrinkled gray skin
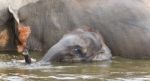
78	45
124	24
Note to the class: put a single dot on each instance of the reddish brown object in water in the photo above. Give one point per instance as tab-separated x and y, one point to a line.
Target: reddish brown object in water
24	32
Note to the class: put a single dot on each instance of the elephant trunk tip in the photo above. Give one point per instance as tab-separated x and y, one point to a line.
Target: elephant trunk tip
27	59
26	56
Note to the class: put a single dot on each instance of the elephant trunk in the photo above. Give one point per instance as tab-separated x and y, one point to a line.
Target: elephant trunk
53	53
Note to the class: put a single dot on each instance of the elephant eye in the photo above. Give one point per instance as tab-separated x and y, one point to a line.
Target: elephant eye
78	51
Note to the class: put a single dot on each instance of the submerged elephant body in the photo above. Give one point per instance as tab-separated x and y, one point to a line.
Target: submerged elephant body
124	24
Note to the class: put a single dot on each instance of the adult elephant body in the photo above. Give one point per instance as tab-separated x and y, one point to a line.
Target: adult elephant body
124	24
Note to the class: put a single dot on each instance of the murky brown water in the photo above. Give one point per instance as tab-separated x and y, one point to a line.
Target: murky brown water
119	69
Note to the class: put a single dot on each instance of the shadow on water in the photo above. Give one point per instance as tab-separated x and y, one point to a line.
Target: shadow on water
119	69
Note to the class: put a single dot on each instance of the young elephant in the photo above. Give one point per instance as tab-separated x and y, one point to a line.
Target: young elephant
82	44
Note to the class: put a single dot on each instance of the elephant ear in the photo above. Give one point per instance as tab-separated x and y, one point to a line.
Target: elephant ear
14	13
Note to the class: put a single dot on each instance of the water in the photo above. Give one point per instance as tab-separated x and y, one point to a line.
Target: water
119	69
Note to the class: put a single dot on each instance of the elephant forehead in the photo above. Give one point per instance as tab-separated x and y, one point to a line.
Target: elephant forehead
71	40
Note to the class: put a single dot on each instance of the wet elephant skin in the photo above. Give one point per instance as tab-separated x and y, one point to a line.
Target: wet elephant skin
124	24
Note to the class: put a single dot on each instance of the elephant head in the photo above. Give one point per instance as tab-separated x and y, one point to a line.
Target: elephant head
79	45
21	34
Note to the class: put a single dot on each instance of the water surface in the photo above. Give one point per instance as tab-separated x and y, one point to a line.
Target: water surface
119	69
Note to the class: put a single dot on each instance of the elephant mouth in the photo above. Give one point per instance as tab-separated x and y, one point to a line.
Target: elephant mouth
70	58
24	33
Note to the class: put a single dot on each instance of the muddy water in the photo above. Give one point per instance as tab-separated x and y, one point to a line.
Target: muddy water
119	69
